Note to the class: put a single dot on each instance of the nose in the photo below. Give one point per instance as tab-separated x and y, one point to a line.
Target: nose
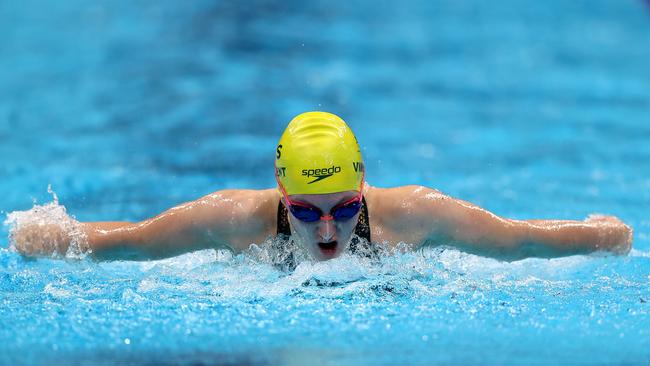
326	230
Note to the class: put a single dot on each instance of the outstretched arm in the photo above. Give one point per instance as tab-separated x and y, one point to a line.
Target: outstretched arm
440	219
225	219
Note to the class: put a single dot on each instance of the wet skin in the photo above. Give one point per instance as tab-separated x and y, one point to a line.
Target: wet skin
416	215
323	239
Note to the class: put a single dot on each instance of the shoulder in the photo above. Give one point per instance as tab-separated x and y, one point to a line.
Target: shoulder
242	216
248	200
403	213
400	200
247	207
400	206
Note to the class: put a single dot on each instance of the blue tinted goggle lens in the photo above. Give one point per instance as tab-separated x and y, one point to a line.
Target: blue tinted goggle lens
306	214
312	214
346	211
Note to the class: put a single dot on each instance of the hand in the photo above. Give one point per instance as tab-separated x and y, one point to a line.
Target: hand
616	235
40	239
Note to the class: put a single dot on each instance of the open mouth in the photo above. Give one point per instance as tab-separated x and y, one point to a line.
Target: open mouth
327	247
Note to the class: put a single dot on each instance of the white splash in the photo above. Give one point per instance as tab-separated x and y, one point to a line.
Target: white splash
47	230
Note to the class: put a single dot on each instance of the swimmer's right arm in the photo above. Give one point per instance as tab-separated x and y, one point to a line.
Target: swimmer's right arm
226	219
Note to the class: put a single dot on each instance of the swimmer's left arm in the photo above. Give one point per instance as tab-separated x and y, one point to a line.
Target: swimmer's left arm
597	232
443	219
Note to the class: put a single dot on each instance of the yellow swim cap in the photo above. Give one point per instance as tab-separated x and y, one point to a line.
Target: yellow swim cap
318	154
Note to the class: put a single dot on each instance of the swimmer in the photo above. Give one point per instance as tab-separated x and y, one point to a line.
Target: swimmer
321	201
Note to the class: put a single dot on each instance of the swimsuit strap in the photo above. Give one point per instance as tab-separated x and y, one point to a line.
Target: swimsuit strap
362	230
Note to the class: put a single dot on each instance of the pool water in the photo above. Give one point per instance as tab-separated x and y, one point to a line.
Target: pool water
531	110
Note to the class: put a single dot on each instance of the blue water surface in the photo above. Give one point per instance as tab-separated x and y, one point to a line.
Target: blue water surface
529	109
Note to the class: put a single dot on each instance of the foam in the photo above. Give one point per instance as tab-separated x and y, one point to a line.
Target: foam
50	221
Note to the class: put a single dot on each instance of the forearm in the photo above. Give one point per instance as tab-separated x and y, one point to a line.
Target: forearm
150	239
481	231
112	240
606	234
517	239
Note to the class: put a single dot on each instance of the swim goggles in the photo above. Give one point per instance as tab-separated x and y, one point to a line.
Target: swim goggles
341	212
309	213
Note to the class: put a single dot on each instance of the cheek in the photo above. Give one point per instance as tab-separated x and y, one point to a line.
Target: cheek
347	228
300	228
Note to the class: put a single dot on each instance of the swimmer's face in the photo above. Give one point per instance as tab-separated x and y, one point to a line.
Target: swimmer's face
324	239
